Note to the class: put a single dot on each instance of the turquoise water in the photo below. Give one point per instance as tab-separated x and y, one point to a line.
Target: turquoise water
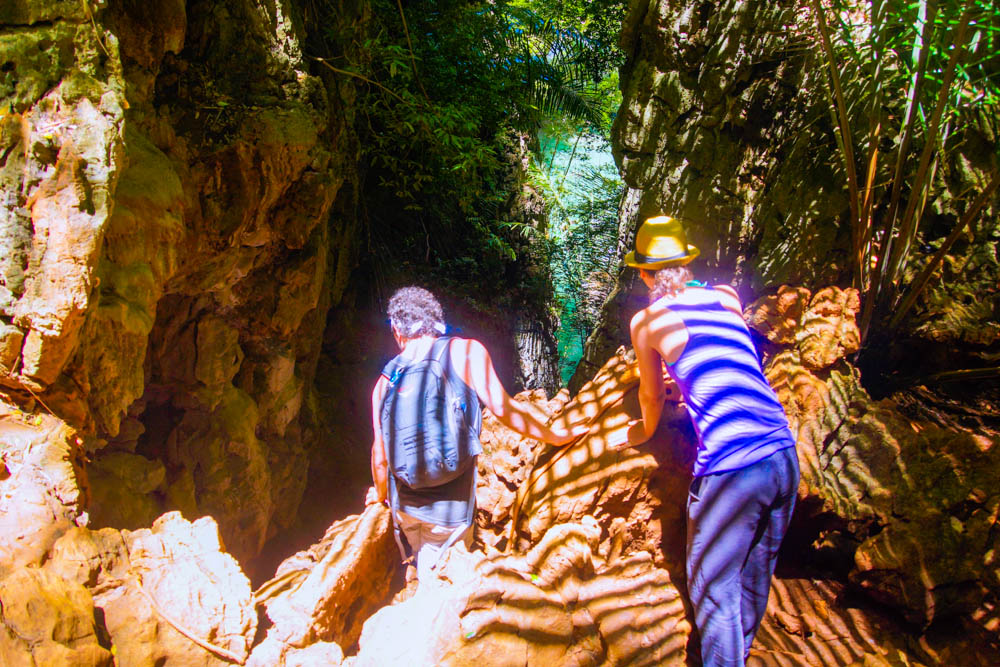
582	189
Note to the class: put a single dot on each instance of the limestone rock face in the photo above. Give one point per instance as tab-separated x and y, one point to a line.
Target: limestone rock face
911	504
61	137
168	595
46	620
557	604
635	494
321	597
168	255
708	90
40	485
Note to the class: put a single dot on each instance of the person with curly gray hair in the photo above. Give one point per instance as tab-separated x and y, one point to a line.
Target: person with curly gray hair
431	518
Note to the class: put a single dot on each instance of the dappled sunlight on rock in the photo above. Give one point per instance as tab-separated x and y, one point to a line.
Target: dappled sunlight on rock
629	491
557	604
325	593
916	503
817	623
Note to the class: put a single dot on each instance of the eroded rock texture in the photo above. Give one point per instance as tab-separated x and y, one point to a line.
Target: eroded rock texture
912	505
167	595
323	595
168	172
557	604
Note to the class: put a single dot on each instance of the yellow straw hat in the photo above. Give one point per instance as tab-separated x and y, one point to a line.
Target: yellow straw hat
660	243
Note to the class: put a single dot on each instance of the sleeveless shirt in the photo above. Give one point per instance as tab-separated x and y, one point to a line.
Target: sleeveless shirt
737	416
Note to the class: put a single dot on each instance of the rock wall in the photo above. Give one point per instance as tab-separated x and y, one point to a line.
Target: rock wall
726	122
172	242
909	506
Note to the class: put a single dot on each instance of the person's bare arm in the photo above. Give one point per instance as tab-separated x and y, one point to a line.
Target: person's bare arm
476	368
657	335
380	465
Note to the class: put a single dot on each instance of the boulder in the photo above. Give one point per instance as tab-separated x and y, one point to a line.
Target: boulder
40	488
909	503
168	595
560	603
637	495
47	620
324	594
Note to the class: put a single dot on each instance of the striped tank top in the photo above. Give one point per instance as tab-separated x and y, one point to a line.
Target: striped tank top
737	416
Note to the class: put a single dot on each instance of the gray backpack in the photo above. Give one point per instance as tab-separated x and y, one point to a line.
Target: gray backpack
430	419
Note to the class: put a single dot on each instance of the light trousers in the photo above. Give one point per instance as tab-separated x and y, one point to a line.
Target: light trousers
426	540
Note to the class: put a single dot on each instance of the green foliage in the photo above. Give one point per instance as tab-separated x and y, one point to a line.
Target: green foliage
583	188
597	22
917	78
446	88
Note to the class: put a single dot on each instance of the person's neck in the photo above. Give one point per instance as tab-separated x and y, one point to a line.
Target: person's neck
415	348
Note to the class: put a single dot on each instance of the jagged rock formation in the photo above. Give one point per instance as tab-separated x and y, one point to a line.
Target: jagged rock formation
580	556
556	604
167	595
321	597
912	505
169	253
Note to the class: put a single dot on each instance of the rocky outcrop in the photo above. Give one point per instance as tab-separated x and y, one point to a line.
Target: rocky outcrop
167	595
708	90
636	495
912	505
321	597
61	632
557	604
169	253
42	485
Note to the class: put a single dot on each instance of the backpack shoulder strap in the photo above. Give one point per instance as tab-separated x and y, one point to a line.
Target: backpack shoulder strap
443	345
392	369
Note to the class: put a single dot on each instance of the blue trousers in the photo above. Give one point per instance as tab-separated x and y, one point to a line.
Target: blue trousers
736	521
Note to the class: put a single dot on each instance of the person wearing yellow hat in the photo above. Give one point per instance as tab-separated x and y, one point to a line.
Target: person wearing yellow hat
746	470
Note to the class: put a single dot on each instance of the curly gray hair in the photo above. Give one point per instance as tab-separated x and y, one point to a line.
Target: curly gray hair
415	312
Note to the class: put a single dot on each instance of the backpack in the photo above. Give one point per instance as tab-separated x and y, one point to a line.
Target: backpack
430	419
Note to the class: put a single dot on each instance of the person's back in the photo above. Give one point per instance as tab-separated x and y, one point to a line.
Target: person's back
735	412
430	518
431	445
746	474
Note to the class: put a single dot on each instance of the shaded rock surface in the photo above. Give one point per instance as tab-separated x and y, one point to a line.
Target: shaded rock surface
60	632
912	505
169	253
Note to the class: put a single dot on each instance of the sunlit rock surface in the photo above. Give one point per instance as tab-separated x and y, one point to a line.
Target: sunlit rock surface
911	505
168	595
324	594
556	604
42	487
